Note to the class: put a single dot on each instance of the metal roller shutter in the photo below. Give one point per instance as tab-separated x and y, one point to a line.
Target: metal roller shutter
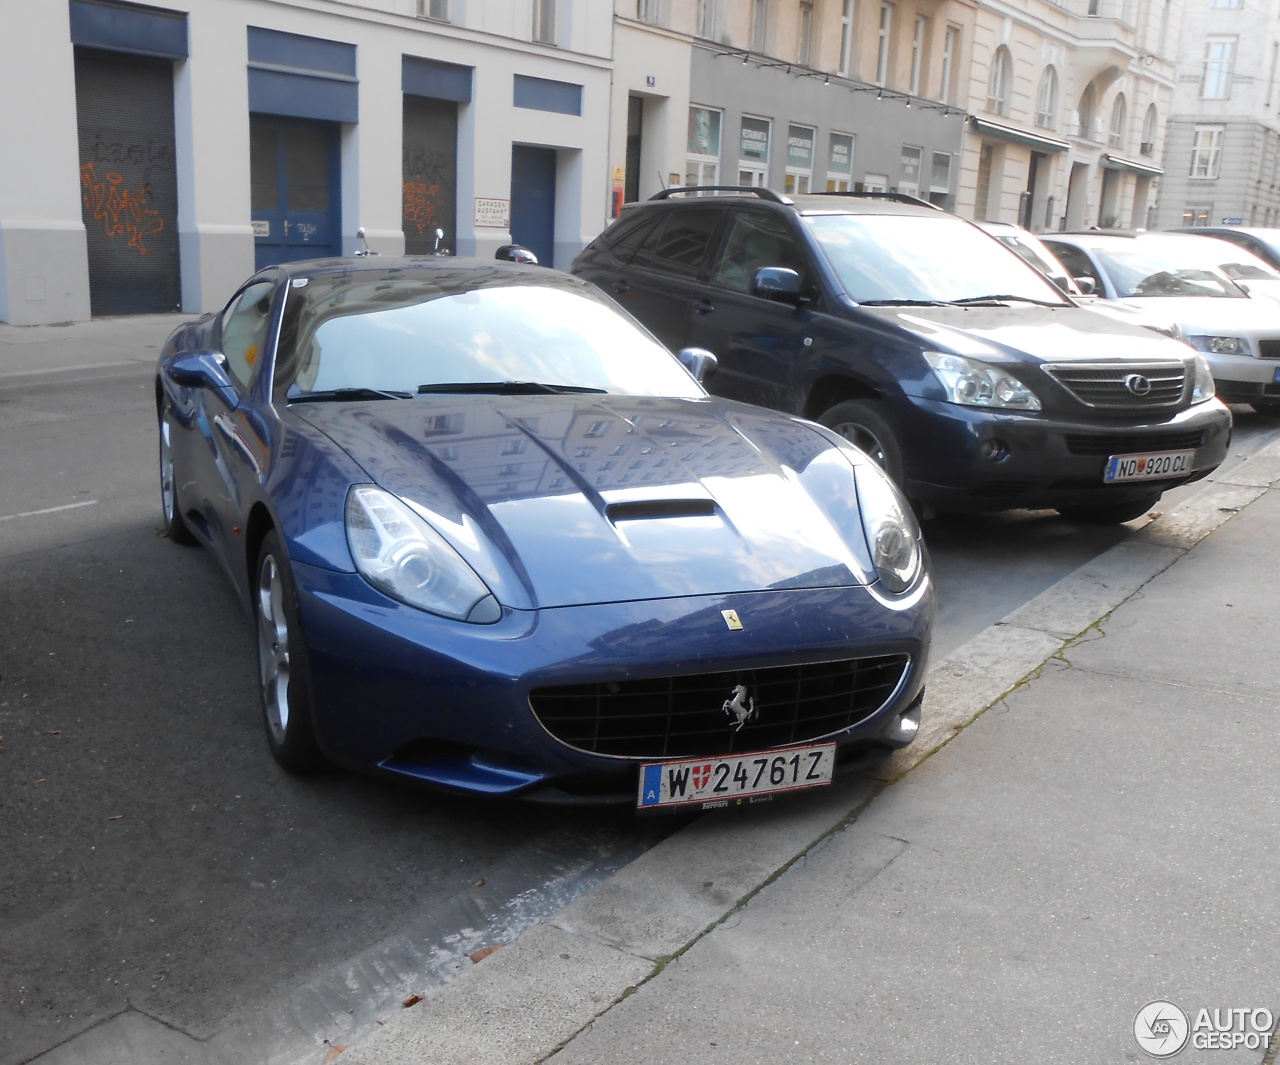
128	182
430	174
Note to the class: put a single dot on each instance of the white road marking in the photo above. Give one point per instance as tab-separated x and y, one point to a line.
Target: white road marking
74	369
48	510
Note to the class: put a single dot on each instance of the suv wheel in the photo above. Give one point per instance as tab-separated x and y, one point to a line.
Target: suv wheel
863	423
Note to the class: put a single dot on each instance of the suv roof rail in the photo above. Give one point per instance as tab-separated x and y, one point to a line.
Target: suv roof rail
896	197
764	194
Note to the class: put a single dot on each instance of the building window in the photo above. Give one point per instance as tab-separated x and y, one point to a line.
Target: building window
709	19
1084	114
1196	216
909	175
760	25
649	11
544	21
1227	3
806	31
840	163
918	40
702	151
846	37
1119	116
1206	151
1148	146
882	48
1001	86
799	176
940	179
1219	58
1271	78
875	182
1047	99
434	9
950	53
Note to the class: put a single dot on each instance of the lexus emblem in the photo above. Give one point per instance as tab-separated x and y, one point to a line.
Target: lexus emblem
1137	384
740	706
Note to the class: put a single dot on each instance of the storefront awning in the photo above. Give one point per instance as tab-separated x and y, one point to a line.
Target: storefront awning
1019	136
1115	162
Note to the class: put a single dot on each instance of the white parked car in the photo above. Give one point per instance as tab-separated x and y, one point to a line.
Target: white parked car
1171	278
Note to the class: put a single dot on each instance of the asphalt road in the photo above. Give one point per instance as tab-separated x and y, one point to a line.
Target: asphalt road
155	858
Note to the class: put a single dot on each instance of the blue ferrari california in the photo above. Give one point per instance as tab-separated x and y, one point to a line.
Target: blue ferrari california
497	539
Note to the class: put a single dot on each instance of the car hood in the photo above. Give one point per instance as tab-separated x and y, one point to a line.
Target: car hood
569	500
1254	316
1020	331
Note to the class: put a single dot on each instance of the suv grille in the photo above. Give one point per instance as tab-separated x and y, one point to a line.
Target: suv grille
1133	443
1106	384
675	717
1269	349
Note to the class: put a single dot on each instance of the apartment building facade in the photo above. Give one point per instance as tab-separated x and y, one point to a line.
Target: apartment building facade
1223	157
177	148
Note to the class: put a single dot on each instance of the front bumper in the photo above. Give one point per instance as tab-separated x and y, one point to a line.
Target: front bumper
971	459
407	694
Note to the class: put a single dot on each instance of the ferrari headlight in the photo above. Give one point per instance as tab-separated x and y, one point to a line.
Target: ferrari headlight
979	384
890	528
1220	345
1202	387
402	556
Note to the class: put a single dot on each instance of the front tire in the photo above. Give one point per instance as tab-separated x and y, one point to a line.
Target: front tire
283	674
174	527
1109	513
864	423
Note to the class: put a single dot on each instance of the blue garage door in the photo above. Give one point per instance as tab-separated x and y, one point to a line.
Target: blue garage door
533	200
293	167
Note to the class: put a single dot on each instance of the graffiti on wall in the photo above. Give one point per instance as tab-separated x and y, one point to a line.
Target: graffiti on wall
123	212
426	169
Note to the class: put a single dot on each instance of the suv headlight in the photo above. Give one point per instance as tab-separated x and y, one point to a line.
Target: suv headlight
890	528
1202	387
979	384
403	557
1220	345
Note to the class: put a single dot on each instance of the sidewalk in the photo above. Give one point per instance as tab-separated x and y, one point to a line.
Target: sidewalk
1102	836
103	342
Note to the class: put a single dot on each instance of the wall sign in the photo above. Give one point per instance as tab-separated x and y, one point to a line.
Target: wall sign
492	213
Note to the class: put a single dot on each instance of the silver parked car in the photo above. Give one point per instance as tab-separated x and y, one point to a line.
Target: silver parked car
1172	278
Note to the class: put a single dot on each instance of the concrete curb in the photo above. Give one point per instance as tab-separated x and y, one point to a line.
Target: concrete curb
532	996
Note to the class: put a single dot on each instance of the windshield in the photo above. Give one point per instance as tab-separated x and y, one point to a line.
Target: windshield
925	258
411	334
1166	268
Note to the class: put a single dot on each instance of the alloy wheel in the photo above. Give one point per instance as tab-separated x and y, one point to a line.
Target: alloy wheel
273	648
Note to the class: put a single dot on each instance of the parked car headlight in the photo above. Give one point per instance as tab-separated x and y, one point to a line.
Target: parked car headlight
402	556
1202	387
890	528
1220	345
979	384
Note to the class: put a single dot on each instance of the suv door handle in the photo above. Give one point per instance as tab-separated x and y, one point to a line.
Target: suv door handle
703	307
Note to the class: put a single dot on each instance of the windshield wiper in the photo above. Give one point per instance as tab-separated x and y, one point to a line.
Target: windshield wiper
348	393
503	388
1003	297
901	303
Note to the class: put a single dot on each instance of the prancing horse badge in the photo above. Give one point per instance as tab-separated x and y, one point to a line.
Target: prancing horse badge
731	619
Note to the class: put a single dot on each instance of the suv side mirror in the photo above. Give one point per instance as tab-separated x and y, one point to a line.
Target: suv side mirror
1086	285
776	283
698	361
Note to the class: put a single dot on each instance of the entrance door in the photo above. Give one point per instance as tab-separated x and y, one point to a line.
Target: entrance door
293	166
430	175
128	182
635	137
533	200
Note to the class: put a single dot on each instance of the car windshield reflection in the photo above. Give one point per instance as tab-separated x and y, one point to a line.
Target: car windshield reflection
1151	271
897	258
393	335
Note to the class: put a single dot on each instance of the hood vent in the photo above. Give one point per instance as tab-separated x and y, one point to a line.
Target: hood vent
642	509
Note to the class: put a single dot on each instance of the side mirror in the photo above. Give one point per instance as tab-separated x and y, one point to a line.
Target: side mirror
776	283
515	253
698	361
199	369
1087	285
1242	287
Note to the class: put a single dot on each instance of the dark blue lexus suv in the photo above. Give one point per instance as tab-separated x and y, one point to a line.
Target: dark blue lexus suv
966	374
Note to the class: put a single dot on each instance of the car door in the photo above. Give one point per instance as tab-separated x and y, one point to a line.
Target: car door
227	455
660	264
760	343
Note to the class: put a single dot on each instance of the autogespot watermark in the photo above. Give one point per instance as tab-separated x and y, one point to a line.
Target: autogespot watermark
1162	1029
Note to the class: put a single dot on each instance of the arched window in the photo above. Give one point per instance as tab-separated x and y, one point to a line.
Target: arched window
1001	86
1047	99
1119	116
1149	132
1084	113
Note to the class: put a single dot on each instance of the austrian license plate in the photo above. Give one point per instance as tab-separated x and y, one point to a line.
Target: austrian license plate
730	781
1147	466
